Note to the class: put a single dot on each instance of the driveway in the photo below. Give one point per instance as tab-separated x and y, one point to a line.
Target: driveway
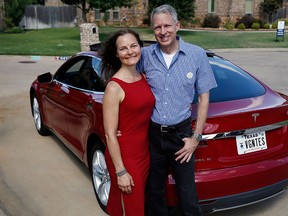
40	176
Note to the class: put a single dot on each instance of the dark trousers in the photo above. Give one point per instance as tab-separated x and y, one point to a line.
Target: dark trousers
163	146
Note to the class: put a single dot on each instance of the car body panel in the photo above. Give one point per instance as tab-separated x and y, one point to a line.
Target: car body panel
54	107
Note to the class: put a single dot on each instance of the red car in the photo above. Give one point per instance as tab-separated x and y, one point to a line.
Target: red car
242	159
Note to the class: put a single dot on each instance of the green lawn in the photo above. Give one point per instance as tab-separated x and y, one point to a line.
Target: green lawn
66	41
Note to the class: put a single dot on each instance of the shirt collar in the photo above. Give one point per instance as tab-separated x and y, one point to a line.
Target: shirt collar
182	47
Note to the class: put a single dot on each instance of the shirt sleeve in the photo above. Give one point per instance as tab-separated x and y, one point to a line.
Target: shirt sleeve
205	76
140	64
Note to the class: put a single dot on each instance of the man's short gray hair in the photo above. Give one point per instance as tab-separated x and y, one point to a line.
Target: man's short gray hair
165	9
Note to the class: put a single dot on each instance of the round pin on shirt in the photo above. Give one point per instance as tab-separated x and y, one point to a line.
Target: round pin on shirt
189	75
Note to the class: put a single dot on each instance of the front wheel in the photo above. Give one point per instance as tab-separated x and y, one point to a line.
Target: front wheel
41	128
100	176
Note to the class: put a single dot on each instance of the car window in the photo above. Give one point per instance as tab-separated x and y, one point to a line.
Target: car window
232	82
75	68
96	65
90	79
81	72
69	72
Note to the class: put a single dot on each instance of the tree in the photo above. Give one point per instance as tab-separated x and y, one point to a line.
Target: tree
109	4
81	4
15	9
269	7
102	5
184	8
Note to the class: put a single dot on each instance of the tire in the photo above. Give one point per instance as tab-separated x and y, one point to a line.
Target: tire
40	127
100	176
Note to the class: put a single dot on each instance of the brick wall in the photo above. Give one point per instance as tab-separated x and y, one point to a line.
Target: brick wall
53	3
133	16
226	9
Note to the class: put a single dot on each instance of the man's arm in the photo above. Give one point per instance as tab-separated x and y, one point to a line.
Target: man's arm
191	143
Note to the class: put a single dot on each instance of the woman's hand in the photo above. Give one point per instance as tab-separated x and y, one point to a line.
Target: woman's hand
125	183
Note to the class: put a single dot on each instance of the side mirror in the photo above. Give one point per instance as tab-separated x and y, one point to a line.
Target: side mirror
44	78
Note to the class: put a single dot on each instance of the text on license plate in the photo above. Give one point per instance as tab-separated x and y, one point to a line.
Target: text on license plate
251	143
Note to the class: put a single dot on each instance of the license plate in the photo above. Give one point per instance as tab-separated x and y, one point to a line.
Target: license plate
251	143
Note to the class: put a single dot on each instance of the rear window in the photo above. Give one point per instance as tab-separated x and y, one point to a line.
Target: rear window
233	83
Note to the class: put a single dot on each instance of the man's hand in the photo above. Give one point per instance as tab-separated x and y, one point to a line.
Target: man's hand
185	153
118	133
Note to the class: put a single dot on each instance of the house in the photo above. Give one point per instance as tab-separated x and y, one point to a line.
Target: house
227	10
123	16
132	16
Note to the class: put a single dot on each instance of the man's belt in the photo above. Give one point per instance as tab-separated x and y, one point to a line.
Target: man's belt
171	128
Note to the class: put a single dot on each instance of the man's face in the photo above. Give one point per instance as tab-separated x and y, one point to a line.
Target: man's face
165	29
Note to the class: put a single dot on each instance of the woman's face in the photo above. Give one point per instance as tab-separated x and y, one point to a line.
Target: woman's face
128	49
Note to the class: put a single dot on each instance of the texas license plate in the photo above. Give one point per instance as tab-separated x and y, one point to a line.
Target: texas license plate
251	143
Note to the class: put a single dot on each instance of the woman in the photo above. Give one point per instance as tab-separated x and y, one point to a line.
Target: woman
127	107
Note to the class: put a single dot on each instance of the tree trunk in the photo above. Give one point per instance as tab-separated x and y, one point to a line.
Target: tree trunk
84	11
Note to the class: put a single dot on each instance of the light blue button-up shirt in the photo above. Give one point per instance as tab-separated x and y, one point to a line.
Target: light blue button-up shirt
173	87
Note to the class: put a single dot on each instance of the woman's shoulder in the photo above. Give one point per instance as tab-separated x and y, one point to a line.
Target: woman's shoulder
113	85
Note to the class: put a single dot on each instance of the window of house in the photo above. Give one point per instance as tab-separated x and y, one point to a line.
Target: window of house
248	6
107	15
116	14
212	6
97	14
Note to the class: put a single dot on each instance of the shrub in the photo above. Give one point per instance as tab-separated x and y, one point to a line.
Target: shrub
274	25
184	23
14	30
9	23
261	23
266	26
248	21
196	22
241	26
255	26
211	21
229	26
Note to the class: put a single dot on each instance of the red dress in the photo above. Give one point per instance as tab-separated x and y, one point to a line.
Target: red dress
134	117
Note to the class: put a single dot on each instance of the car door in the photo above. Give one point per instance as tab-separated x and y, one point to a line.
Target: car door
62	88
79	105
54	104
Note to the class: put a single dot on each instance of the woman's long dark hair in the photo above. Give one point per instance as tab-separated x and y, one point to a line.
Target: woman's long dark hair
110	63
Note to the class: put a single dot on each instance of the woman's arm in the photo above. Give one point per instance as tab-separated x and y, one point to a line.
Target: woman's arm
113	96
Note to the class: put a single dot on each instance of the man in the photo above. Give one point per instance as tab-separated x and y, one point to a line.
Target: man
175	70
